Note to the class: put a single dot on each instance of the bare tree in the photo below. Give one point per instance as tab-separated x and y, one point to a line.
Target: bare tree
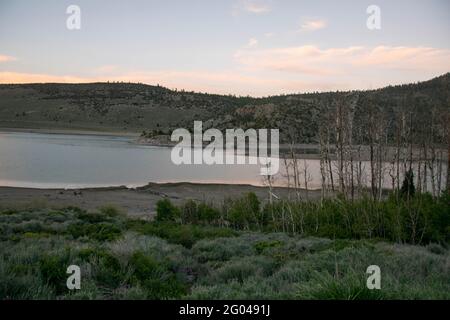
306	177
323	160
447	132
339	141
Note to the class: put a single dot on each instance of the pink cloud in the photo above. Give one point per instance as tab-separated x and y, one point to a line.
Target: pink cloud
5	58
261	72
413	58
225	82
250	6
18	77
313	60
313	25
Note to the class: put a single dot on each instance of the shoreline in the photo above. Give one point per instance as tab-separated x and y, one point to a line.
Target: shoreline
80	132
136	202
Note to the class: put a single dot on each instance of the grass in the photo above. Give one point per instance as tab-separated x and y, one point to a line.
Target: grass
133	259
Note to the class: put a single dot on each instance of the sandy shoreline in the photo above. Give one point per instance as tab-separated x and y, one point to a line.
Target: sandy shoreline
72	132
139	202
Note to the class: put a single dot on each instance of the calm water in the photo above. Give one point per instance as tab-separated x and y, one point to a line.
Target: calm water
77	161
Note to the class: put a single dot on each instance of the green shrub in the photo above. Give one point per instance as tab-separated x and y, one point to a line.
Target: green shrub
102	231
189	212
324	286
73	209
261	246
223	249
245	212
418	219
111	211
166	211
185	235
207	213
53	271
254	288
436	248
92	217
159	282
167	260
23	287
242	268
107	270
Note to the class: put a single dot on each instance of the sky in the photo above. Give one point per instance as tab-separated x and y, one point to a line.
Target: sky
241	47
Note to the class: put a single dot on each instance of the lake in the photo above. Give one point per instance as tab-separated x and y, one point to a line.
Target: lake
39	160
78	161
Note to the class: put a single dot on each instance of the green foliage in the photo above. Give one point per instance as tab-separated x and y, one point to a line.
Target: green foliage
245	212
198	213
166	211
324	286
185	235
262	246
207	214
189	212
102	231
111	211
106	268
319	271
158	281
418	219
92	217
242	269
53	271
144	260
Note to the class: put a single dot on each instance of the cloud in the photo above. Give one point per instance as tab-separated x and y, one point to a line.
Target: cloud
253	42
262	72
406	58
222	82
313	25
4	58
19	77
313	60
251	6
305	59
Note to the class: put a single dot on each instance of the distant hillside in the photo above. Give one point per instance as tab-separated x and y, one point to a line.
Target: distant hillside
158	110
